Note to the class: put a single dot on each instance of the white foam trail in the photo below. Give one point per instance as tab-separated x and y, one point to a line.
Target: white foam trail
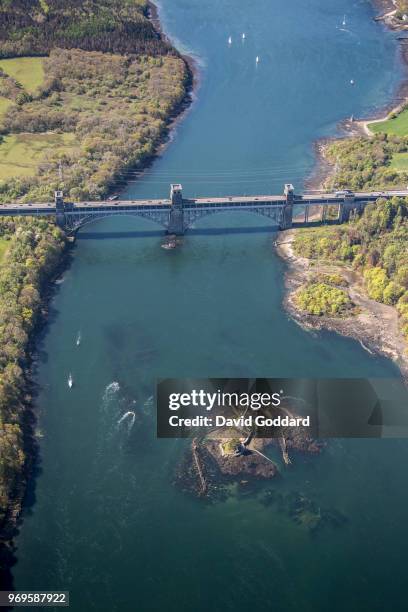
113	387
110	391
128	414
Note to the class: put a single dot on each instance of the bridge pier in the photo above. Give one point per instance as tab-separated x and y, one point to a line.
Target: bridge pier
59	209
287	211
346	207
176	214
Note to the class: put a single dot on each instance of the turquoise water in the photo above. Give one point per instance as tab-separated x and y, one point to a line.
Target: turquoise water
106	522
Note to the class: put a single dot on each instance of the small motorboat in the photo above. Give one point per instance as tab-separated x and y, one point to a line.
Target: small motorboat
70	381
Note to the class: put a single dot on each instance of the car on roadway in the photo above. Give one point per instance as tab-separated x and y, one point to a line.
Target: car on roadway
343	192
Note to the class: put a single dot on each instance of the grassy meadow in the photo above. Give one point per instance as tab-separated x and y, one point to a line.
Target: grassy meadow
3	247
28	71
22	154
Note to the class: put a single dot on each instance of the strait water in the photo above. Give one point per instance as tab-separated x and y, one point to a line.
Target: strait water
105	521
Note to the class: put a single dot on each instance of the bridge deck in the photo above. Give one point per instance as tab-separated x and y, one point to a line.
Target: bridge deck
308	199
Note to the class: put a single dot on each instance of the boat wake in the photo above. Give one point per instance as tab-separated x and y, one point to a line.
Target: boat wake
128	418
110	390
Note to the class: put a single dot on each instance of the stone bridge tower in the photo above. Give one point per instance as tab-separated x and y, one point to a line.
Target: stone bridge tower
287	211
59	208
176	216
347	207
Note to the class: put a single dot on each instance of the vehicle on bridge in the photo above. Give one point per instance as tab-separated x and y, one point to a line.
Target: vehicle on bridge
343	192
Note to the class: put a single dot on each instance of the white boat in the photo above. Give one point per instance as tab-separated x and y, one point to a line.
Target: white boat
243	36
351	81
78	339
257	59
230	40
70	381
344	21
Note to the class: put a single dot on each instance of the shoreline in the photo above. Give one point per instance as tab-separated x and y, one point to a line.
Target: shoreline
375	327
24	492
352	128
179	113
26	485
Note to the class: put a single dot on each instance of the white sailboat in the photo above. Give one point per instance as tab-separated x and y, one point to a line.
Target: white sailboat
230	40
243	36
257	59
70	381
344	21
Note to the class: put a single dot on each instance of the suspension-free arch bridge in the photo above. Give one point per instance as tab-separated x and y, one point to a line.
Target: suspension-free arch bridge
177	213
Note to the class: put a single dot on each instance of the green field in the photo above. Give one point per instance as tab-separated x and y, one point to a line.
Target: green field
3	247
28	71
20	154
4	105
399	162
397	126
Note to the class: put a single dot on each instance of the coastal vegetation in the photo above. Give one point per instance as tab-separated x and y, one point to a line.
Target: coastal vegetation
319	298
30	252
332	278
95	116
396	124
114	26
376	244
368	163
87	91
230	445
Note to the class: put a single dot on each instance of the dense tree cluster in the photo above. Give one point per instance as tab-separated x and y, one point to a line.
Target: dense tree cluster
364	163
118	107
319	299
116	26
33	254
375	243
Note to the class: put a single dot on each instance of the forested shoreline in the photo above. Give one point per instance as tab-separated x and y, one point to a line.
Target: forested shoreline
33	255
110	26
112	84
374	244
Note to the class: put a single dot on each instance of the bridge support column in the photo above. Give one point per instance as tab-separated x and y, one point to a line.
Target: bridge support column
59	209
346	207
176	215
287	211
